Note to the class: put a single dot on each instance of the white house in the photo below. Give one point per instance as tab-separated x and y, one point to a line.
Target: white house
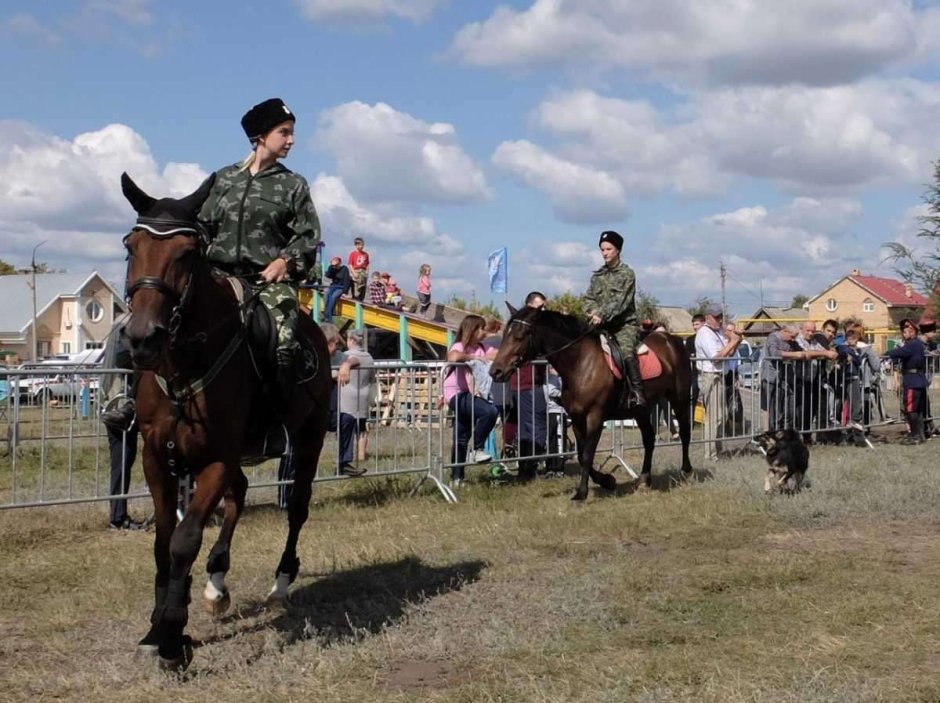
73	312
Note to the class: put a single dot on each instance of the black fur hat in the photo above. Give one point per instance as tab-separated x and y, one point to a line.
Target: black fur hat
613	238
265	116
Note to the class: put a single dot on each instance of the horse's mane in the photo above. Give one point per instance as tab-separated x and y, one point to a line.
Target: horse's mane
567	325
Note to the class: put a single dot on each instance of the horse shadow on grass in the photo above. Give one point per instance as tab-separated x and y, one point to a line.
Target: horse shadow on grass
352	604
662	482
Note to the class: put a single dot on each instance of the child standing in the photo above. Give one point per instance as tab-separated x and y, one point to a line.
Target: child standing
424	288
376	289
358	262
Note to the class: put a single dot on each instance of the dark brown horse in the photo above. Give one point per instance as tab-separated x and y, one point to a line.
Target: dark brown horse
197	401
589	391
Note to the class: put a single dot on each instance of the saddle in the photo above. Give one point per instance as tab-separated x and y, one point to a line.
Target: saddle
261	337
650	365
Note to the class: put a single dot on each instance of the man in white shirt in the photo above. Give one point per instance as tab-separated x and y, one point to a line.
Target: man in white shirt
712	347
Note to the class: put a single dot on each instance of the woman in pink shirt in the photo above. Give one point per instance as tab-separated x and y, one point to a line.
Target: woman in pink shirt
474	417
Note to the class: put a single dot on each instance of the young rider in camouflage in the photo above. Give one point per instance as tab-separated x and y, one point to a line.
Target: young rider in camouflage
610	302
262	224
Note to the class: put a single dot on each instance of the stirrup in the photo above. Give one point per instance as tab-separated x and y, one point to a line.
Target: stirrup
119	413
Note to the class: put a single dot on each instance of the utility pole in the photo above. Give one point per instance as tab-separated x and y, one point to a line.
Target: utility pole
33	286
724	275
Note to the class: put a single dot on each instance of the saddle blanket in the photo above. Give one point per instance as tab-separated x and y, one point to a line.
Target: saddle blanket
650	365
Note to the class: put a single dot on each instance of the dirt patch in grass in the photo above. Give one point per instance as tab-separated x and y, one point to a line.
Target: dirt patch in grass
417	675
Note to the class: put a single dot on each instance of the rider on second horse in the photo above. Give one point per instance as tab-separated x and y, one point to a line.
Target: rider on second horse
611	305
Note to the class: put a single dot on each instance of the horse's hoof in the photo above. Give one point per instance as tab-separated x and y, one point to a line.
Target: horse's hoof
178	662
277	596
217	607
579	497
147	652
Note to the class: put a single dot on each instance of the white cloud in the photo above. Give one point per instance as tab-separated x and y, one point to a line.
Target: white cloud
397	241
367	10
342	213
818	42
28	27
68	191
836	140
134	12
875	132
384	155
783	251
578	193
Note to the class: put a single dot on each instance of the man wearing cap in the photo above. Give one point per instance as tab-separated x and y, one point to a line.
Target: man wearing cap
262	225
928	332
611	305
912	357
711	346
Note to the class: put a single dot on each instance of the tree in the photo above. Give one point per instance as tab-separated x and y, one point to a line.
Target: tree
568	303
799	300
41	267
647	305
472	305
922	268
699	306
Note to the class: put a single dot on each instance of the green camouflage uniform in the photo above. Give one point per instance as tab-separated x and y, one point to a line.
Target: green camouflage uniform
611	296
252	220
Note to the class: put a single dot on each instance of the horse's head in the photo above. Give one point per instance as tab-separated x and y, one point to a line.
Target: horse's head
163	250
519	342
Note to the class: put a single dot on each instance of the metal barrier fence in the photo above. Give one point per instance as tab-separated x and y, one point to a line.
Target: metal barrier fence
431	421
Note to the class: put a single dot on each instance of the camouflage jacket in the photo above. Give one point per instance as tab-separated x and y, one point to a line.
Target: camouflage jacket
252	220
611	295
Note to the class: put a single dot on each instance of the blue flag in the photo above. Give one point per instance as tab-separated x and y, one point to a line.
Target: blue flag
498	263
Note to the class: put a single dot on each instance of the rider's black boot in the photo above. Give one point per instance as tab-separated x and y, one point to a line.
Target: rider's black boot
633	395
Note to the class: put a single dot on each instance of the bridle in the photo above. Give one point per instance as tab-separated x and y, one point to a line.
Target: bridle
165	228
517	362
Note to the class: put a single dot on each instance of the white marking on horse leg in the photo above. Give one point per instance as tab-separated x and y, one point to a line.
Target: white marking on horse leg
216	597
279	591
215	587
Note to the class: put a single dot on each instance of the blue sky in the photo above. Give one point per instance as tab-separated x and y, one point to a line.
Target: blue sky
789	140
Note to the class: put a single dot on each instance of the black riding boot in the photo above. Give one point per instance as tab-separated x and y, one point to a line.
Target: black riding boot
633	395
286	379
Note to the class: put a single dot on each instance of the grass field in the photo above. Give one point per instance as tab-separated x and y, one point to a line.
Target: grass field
704	592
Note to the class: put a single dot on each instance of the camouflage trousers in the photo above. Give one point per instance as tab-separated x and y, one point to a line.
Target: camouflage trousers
281	301
626	337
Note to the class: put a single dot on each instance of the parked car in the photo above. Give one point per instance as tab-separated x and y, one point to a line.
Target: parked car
56	379
748	374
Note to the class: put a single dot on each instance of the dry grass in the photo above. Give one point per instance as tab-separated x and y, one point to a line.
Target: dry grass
705	592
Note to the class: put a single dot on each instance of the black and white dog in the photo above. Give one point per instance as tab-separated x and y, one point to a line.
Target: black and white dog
787	460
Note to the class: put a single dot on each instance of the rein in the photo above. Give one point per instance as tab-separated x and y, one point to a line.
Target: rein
176	314
583	335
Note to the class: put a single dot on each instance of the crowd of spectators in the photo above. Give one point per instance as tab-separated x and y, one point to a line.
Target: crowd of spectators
353	280
830	382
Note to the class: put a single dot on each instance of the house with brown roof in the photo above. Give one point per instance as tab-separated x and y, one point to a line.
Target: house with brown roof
878	303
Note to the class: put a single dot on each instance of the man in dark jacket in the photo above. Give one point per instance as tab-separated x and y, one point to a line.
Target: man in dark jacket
340	283
912	355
